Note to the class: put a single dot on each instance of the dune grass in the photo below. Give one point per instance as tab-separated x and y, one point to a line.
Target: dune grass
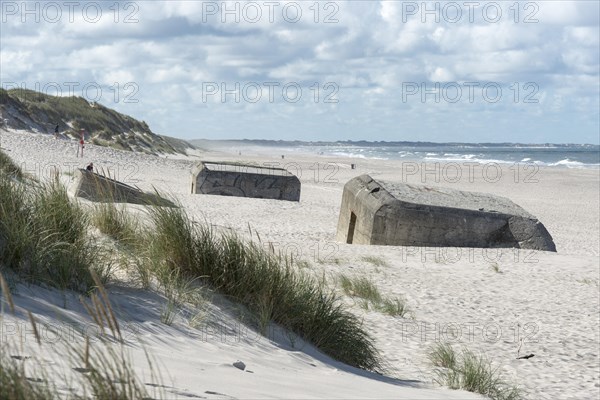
360	286
588	281
106	126
471	372
443	355
148	264
106	372
178	291
103	370
15	384
115	222
376	261
396	307
363	288
496	268
9	168
44	236
268	285
303	264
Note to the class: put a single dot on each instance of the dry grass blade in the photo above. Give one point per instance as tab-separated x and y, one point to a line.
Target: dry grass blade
91	313
100	311
7	295
35	329
107	308
86	354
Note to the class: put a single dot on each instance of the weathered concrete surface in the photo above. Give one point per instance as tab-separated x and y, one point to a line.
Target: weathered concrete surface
99	188
385	213
232	179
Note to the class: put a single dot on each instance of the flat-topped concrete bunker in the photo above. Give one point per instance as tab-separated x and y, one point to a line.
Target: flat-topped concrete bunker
245	180
386	213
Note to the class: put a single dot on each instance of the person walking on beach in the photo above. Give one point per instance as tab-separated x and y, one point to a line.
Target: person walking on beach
56	132
81	143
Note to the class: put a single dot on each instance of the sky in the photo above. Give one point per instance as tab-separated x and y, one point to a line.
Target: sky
464	71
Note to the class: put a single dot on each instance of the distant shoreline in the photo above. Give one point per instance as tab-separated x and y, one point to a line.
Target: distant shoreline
364	143
555	155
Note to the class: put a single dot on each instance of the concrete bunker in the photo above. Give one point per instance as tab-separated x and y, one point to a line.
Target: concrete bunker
245	180
99	188
386	213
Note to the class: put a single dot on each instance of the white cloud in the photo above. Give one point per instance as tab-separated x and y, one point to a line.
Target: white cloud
121	76
20	63
370	51
441	74
570	12
582	35
581	61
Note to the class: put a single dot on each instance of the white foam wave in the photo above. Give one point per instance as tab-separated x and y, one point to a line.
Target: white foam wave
572	164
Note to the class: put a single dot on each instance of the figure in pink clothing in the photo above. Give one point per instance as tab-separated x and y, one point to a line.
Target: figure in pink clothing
81	143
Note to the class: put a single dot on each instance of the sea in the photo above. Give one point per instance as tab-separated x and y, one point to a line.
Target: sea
553	155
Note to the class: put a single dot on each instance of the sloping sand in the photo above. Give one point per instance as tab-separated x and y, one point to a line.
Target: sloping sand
502	302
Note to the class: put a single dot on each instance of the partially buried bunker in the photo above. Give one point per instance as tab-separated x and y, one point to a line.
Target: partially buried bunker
99	188
245	180
385	213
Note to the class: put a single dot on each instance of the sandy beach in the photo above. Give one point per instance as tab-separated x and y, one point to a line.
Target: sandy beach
501	302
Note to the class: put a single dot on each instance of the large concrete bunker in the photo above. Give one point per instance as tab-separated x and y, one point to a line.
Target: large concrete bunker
244	180
386	213
99	188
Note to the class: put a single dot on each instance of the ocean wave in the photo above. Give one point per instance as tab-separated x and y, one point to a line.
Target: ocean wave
469	159
572	164
543	159
355	155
